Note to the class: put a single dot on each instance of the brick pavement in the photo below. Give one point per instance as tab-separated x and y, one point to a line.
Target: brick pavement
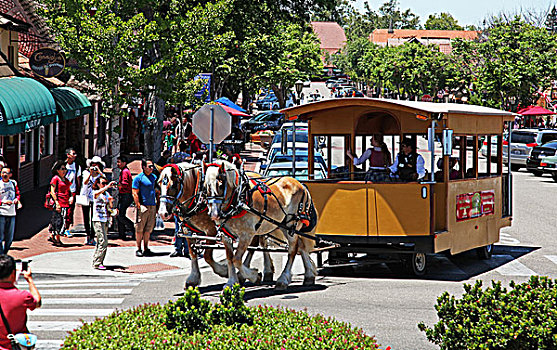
31	236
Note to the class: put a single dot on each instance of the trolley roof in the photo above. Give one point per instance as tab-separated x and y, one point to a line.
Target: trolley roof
367	115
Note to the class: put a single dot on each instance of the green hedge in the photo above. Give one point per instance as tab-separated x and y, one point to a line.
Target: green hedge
522	318
226	325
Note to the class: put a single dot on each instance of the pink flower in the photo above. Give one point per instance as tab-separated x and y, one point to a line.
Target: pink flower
329	330
152	342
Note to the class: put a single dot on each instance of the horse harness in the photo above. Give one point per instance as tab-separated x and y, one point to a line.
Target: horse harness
191	206
241	202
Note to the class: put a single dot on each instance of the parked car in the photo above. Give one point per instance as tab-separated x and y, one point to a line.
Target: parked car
285	169
330	82
270	120
271	102
538	155
301	142
349	92
493	152
522	143
301	156
549	165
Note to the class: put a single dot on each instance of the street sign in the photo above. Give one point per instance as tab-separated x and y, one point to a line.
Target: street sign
212	124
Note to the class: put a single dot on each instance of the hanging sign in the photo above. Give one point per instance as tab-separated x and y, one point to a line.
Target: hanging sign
47	62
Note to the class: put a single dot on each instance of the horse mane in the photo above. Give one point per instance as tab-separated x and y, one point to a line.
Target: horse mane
230	171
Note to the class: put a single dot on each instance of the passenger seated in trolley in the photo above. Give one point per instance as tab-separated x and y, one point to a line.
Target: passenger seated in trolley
454	174
379	160
409	165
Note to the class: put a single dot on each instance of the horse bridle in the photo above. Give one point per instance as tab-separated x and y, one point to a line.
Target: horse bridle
233	203
195	200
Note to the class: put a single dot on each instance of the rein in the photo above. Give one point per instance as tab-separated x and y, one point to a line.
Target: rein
194	202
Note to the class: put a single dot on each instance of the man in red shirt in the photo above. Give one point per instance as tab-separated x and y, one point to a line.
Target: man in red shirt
15	302
125	198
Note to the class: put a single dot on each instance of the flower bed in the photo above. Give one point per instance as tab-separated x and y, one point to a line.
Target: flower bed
193	323
524	317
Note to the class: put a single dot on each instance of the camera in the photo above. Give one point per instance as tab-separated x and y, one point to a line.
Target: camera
24	265
94	168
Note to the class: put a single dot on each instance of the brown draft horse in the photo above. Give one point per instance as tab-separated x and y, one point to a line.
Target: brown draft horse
282	199
180	186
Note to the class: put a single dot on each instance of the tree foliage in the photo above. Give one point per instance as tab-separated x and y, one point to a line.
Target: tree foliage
442	21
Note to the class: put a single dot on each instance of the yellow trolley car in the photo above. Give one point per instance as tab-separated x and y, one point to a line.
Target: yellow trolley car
439	213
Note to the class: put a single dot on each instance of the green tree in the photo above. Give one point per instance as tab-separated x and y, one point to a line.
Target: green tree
391	15
294	54
442	21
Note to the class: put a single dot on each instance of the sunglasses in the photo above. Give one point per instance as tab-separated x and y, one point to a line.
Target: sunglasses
151	166
104	183
63	169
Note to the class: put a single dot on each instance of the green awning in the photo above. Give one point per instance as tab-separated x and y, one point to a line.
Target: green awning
24	104
71	103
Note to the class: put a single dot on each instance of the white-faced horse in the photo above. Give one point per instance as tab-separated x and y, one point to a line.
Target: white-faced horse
181	186
283	200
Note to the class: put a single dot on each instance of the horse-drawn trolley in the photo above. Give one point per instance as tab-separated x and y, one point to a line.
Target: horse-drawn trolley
460	202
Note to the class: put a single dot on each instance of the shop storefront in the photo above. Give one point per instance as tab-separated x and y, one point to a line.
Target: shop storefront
27	130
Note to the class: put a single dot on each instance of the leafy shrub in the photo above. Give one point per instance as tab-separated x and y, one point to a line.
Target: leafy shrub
232	310
266	328
524	317
189	313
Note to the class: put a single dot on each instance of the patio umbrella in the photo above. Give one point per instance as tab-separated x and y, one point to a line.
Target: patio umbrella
226	101
234	112
534	110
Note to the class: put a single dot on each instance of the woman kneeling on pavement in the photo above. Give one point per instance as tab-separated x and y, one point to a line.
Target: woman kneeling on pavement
61	194
102	202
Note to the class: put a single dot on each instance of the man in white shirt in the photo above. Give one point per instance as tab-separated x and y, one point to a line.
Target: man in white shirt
74	176
408	165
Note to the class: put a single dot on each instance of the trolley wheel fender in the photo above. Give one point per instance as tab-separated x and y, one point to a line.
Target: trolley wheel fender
554	175
415	263
485	252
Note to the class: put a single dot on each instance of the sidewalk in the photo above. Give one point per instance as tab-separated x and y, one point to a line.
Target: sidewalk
74	257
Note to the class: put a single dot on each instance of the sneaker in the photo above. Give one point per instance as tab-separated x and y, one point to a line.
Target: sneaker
91	242
100	267
68	234
139	253
175	254
147	252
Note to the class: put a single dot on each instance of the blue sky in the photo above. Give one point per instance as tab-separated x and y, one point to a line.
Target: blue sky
465	11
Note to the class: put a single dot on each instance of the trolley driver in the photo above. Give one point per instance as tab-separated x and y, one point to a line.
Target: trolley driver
408	165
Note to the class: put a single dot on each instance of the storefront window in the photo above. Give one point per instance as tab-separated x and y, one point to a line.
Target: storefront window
25	148
45	140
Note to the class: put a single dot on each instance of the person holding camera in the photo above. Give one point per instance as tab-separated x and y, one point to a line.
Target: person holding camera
95	167
102	205
15	302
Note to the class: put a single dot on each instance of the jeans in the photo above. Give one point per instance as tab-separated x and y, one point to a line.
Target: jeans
180	243
101	228
87	216
124	223
7	228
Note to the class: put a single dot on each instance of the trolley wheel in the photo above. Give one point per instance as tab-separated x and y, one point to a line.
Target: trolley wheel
485	252
515	167
554	176
415	264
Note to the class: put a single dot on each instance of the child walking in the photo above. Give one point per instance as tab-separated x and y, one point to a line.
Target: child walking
102	201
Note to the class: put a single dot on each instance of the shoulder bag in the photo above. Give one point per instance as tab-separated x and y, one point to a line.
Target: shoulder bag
19	341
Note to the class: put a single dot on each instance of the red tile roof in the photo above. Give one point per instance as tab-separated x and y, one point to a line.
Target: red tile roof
382	35
330	34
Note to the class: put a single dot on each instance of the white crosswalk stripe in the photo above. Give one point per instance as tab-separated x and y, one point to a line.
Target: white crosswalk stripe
85	291
71	312
35	326
85	299
82	301
553	258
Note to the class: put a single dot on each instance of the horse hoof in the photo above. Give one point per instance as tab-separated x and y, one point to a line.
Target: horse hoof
259	277
281	286
190	284
309	281
268	277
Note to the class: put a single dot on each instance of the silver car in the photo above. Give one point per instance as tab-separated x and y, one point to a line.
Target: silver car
522	143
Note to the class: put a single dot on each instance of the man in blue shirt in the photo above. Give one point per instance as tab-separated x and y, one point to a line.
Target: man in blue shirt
146	198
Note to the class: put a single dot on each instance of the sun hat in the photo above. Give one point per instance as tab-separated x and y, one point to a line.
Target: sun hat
96	160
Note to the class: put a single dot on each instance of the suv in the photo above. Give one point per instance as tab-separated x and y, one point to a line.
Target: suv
522	143
537	156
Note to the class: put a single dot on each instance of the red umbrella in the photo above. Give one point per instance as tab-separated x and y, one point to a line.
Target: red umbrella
534	110
233	111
